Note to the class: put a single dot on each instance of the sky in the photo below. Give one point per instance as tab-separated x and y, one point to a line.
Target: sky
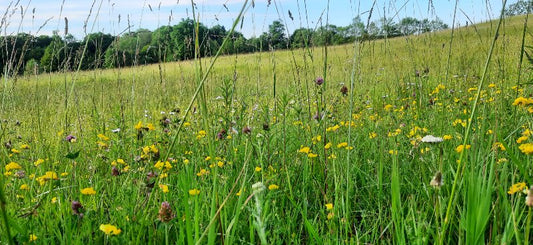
43	17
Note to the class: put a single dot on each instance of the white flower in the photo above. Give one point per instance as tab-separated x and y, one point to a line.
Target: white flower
431	139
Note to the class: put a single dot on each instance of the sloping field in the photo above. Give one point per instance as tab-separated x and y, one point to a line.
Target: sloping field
269	154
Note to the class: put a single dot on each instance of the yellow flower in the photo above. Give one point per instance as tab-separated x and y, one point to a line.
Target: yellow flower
312	155
25	146
521	139
24	187
258	169
38	162
159	165
521	101
498	145
109	229
341	145
372	135
220	164
154	149
492	85
273	187
207	158
460	148
305	150
88	191
139	126
150	127
333	129
447	137
388	107
328	145
329	206
194	192
526	148
15	151
103	137
516	188
186	161
201	134
393	152
54	200
33	237
186	124
163	188
12	166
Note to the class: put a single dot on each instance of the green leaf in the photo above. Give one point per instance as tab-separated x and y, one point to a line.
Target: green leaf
73	155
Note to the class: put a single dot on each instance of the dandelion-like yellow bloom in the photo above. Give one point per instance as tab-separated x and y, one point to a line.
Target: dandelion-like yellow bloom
258	169
103	137
194	192
372	135
163	187
12	166
139	126
109	229
521	101
25	147
33	237
329	206
38	162
304	149
516	188
24	187
342	145
461	148
312	155
328	145
447	137
88	191
159	165
526	148
521	139
273	187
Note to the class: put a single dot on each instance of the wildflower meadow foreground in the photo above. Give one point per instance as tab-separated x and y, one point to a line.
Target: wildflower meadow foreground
407	140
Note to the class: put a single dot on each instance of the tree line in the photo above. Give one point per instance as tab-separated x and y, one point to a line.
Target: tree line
27	54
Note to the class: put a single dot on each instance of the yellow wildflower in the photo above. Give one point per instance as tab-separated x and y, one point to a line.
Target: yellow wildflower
33	237
139	126
194	192
12	166
258	169
521	139
163	187
88	191
447	137
109	229
342	145
460	148
329	206
38	162
273	187
103	137
24	187
516	188
305	150
328	145
526	148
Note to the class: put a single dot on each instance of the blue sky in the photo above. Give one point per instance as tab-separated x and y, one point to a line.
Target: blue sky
105	14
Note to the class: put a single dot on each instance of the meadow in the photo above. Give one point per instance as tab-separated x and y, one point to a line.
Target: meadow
321	145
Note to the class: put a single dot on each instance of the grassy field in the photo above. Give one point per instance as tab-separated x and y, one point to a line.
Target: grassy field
267	155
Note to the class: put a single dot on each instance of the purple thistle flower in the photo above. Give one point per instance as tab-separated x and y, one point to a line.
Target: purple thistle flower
70	138
319	81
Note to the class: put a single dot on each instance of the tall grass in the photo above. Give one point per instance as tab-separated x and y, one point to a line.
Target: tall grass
249	163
